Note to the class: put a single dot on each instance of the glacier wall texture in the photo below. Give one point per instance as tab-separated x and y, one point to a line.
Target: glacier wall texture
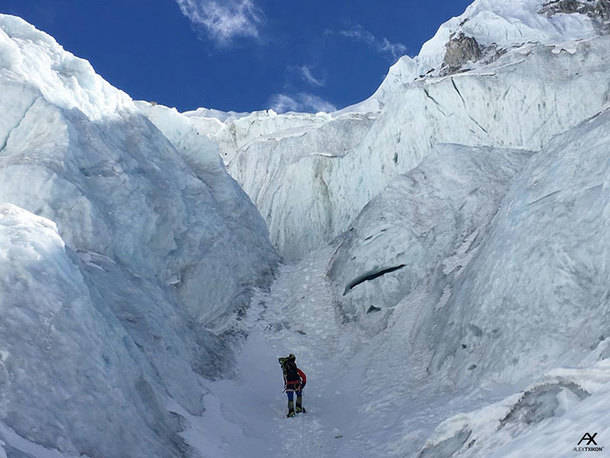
125	294
500	256
310	180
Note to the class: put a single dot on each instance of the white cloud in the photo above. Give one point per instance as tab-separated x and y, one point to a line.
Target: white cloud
224	20
397	50
301	102
309	77
383	45
359	33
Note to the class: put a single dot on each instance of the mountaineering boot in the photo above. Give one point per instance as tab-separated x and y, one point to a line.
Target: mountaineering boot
300	408
290	409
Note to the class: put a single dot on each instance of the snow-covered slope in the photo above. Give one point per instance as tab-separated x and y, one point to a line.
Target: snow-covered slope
549	418
132	300
35	61
488	28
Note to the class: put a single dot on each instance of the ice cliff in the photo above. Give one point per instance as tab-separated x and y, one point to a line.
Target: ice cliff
124	260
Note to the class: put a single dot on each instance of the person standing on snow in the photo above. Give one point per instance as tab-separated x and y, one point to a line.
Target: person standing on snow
294	381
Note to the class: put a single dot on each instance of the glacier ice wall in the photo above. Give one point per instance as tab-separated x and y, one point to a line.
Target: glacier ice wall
422	227
311	178
162	249
476	272
70	377
538	290
353	176
501	260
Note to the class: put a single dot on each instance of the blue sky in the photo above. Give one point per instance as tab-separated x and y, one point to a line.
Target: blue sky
241	55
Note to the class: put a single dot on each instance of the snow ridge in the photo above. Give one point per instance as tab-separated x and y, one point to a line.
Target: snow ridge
31	57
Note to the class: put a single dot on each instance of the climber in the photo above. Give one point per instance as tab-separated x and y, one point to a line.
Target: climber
294	381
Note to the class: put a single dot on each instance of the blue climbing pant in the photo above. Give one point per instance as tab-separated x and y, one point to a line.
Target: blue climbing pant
291	393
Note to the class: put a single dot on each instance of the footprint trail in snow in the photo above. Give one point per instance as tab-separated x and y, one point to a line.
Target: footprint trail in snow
248	413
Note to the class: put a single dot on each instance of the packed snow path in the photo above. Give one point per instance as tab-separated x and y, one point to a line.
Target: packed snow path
347	414
296	316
